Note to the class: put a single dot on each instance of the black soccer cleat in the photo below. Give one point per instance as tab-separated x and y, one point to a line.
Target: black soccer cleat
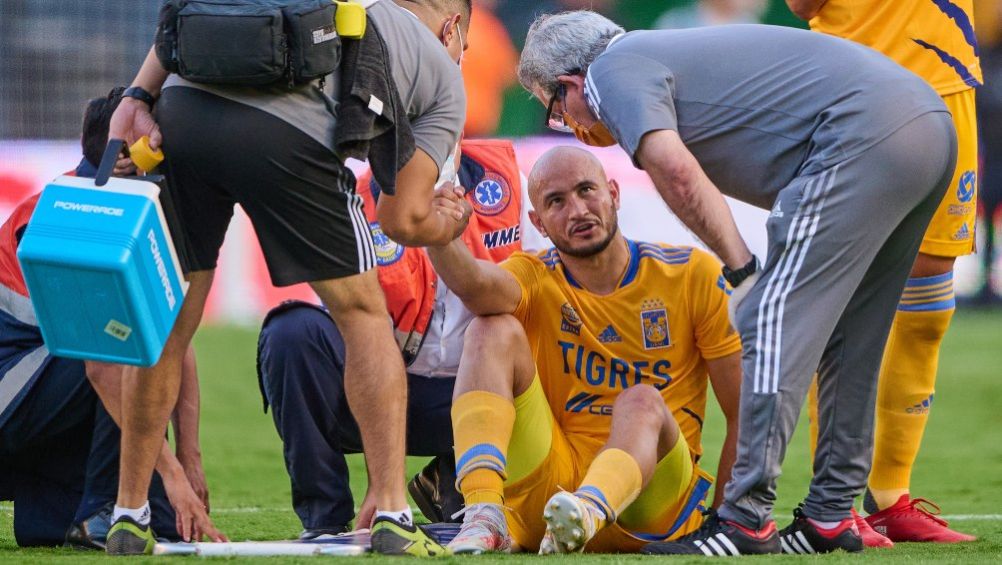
92	532
434	490
719	538
804	536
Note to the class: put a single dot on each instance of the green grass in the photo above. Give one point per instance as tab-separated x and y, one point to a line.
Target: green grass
960	466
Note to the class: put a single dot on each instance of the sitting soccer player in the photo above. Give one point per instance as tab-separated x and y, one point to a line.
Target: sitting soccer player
59	442
301	354
580	395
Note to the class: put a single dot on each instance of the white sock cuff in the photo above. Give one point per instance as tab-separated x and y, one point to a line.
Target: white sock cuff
140	515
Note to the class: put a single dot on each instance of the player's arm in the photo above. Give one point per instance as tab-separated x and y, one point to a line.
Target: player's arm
692	196
408	217
485	288
805	9
725	378
185	420
134	118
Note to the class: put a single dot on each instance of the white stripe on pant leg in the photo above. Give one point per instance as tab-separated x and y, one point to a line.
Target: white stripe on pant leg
793	278
724	541
760	350
367	243
356	228
774	329
764	335
17	377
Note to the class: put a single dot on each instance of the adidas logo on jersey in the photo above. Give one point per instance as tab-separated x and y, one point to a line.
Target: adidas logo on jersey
777	210
609	335
962	234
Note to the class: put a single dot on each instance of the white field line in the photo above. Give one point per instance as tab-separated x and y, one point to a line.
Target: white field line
8	508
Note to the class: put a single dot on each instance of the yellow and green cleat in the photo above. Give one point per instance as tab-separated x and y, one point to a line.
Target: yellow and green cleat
390	537
127	537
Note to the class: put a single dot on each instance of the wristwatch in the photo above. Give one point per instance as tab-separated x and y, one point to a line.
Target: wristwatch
736	276
139	93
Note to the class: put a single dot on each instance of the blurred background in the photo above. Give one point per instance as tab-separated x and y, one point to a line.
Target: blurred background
57	54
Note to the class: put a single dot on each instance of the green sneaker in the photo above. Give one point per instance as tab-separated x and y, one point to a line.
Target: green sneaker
126	537
390	537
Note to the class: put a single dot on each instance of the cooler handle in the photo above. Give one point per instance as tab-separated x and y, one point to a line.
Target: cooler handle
111	153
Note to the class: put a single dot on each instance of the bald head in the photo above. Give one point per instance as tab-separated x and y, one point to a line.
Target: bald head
563	164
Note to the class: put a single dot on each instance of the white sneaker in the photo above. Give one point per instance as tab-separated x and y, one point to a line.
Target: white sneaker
570	523
484	530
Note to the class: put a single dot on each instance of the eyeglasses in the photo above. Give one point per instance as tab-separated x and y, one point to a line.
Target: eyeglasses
555	120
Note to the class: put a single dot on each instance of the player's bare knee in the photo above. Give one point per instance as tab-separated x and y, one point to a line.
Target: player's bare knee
498	333
641	402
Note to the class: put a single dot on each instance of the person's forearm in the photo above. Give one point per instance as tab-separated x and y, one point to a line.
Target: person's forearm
106	379
728	454
702	208
187	410
432	229
458	268
151	75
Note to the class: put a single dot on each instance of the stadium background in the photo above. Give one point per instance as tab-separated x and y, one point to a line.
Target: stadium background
56	54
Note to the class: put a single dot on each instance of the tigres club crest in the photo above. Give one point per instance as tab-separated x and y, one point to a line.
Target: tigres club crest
569	320
492	195
388	251
654	324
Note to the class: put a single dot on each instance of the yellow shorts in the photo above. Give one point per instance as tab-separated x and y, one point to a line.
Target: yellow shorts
951	232
542	460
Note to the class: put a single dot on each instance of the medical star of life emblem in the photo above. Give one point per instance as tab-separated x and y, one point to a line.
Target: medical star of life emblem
654	324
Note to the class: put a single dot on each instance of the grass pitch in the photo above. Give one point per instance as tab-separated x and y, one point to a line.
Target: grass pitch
960	467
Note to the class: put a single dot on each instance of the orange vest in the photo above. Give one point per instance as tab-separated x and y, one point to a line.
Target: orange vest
493	184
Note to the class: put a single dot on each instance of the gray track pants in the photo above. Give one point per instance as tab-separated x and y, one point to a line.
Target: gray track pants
841	246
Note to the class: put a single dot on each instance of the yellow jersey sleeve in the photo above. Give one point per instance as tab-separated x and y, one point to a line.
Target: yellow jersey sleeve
932	38
708	295
527	270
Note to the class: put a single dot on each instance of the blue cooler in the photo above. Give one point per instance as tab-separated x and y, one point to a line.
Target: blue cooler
102	271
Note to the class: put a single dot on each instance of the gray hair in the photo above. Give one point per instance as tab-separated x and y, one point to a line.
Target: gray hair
559	43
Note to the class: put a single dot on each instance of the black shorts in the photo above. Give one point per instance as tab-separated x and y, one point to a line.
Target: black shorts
299	196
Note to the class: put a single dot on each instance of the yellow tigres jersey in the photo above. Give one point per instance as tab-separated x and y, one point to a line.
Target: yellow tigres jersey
667	317
932	38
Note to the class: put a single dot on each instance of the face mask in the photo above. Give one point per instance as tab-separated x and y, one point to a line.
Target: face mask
462	44
597	135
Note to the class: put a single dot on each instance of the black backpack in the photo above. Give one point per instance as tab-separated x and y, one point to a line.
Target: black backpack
248	42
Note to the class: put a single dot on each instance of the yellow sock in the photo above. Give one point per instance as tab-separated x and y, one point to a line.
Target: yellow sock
612	483
482	424
907	383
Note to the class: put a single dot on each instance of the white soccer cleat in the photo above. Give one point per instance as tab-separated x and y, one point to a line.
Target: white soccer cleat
484	530
570	523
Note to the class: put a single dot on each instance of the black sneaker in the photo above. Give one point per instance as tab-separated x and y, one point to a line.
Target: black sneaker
391	537
804	536
434	490
311	534
128	537
92	532
718	537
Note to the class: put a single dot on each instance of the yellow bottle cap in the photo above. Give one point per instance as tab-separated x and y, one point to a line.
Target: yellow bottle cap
349	20
145	158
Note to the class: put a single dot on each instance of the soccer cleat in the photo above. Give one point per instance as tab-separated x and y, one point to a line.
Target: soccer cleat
915	520
91	533
390	537
570	523
314	534
718	537
803	535
434	490
484	530
871	538
127	537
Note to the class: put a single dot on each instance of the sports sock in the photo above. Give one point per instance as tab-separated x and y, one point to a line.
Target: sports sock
613	481
139	515
482	423
907	383
402	516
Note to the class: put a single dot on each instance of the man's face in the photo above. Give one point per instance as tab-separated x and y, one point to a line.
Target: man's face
572	101
575	206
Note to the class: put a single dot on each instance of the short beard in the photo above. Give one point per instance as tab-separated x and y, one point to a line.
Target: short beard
593	249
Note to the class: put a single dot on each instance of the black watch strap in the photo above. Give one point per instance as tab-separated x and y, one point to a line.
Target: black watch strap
736	276
139	93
